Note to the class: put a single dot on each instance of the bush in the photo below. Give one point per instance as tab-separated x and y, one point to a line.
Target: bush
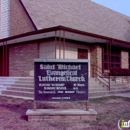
119	72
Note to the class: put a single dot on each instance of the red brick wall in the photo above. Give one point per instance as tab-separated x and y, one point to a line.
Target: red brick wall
19	21
21	59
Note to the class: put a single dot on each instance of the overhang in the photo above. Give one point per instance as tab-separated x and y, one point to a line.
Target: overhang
63	32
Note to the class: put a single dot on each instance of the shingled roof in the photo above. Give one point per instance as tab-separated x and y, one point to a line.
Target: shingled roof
83	15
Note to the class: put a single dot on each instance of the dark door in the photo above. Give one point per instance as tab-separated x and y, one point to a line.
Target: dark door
82	54
4	61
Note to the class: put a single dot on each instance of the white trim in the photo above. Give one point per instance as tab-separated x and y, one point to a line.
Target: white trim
62	60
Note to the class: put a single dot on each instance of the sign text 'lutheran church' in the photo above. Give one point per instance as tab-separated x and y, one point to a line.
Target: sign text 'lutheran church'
61	80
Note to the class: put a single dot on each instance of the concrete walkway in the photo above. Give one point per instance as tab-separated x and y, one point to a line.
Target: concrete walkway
123	95
127	95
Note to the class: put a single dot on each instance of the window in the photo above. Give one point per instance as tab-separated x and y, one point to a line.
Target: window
114	58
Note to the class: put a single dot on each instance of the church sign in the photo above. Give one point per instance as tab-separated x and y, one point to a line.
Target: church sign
61	80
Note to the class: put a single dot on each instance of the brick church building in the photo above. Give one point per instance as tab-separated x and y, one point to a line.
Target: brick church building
61	29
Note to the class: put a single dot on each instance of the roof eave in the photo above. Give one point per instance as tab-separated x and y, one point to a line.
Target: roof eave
65	29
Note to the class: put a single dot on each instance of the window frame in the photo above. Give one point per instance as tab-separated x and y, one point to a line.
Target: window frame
115	54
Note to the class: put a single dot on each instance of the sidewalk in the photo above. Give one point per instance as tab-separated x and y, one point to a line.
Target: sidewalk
123	95
127	95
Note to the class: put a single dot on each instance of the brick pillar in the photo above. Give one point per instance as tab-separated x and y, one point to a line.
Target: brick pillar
96	56
124	59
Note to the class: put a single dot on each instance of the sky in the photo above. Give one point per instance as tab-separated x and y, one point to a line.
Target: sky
122	6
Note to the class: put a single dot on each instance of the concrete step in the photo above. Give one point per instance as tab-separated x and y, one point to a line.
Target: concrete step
26	79
18	93
103	93
97	90
104	89
9	81
22	89
94	84
18	85
100	85
21	97
23	85
8	78
25	82
3	88
16	79
113	85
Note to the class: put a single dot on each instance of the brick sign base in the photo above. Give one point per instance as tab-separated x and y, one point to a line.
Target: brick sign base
65	115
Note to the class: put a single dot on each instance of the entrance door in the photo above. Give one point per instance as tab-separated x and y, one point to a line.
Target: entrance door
82	54
4	61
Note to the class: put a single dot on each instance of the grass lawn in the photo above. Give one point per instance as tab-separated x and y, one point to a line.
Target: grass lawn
110	110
